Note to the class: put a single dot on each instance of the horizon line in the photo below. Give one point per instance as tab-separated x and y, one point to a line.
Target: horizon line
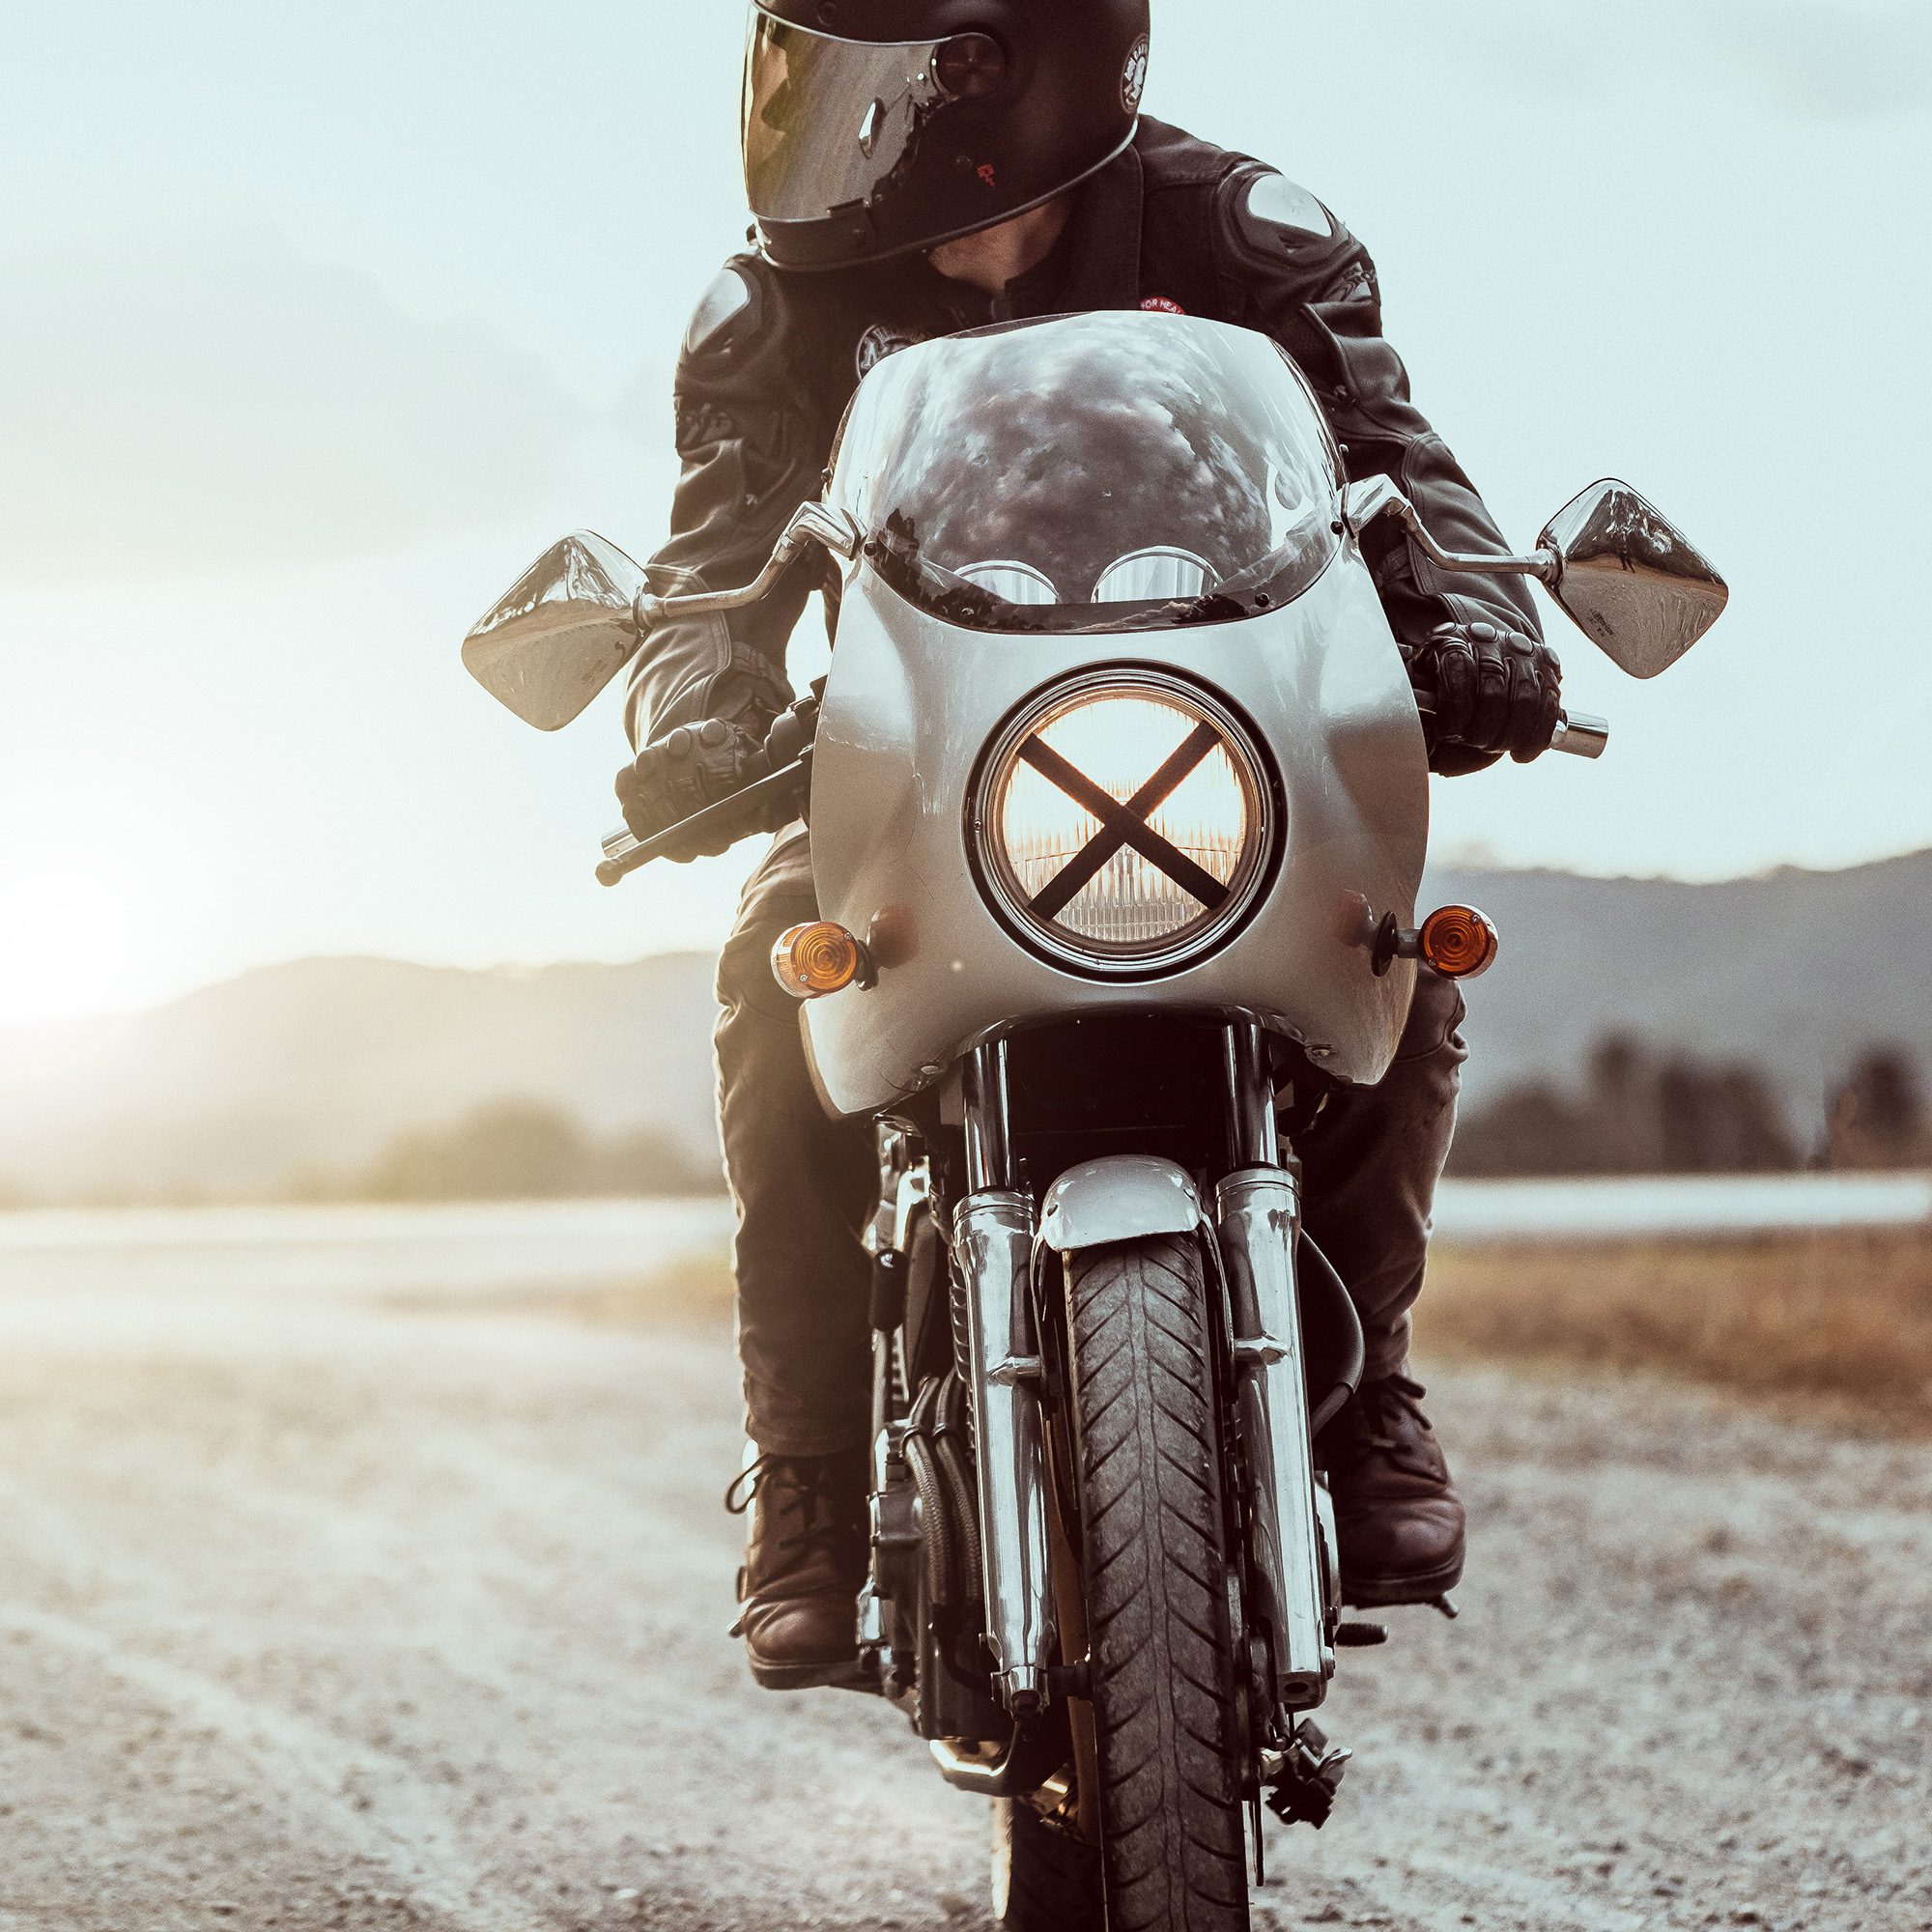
1468	861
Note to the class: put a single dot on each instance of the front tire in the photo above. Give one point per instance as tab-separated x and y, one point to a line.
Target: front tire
1174	1849
1044	1880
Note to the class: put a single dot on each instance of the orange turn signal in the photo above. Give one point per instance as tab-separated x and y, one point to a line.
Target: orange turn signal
1459	942
812	960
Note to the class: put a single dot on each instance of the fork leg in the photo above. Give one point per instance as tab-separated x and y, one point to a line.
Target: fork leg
1257	1215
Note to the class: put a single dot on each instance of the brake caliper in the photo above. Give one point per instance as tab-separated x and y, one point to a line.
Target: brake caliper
1302	1781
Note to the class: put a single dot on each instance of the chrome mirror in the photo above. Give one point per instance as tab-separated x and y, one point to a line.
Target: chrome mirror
575	617
1630	581
560	633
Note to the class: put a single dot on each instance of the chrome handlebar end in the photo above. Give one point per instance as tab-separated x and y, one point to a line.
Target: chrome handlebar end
1576	733
1580	735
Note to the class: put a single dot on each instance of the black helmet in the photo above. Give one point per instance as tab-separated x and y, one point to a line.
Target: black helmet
874	127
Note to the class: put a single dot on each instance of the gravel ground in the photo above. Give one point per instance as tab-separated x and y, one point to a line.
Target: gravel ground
352	1612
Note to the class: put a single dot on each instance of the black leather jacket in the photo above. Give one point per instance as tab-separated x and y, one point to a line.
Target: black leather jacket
772	358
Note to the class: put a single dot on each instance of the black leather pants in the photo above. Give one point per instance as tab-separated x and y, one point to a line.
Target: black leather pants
804	1185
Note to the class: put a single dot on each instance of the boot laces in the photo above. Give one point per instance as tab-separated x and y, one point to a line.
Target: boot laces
788	1487
1389	1418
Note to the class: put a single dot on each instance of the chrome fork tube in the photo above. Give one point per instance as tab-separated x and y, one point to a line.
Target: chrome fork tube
992	1246
989	1108
1257	1215
1254	1140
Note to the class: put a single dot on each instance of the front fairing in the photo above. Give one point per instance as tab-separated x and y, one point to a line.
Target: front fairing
1094	474
909	710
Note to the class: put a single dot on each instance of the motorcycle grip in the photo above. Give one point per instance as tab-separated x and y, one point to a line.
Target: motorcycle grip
1576	733
737	816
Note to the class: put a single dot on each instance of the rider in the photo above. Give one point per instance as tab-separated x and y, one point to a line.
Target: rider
916	167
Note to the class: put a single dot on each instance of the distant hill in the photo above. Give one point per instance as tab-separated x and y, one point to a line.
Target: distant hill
1793	971
322	1063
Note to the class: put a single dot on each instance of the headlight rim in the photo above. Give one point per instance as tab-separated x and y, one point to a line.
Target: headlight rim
1248	753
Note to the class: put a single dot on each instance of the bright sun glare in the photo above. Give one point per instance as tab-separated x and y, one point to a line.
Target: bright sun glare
104	903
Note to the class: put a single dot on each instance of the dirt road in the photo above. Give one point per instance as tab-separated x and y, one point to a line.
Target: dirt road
345	1609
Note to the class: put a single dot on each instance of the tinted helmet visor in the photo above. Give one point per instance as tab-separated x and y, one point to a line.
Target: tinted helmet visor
828	123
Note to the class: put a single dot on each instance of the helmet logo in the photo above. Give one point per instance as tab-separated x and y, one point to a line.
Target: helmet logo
1133	79
877	343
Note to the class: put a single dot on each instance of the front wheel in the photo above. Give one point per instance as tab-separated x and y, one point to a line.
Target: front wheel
1044	1879
1149	1467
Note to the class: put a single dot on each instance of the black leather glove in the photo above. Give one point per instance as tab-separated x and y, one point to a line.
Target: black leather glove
680	774
1495	689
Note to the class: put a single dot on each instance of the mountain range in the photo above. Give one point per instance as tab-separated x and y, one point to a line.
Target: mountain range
322	1063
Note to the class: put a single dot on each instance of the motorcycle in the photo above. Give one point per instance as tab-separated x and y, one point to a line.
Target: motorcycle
1118	795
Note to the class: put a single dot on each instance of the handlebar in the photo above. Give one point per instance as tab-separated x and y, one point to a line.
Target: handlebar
778	774
737	817
1576	733
748	809
1581	734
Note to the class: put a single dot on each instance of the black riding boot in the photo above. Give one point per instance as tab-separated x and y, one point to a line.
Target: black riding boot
1398	1517
805	1561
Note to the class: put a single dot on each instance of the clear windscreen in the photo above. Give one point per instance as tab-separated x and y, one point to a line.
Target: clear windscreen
828	121
1110	471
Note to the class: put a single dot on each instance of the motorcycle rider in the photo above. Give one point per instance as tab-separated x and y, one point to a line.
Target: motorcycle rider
918	167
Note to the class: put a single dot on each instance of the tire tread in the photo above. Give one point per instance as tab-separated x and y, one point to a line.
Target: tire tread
1163	1679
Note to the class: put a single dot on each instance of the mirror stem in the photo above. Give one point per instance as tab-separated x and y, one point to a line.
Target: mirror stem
812	523
1376	496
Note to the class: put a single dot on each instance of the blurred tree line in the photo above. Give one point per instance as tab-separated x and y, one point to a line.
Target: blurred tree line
1879	1117
518	1150
1637	1111
1644	1112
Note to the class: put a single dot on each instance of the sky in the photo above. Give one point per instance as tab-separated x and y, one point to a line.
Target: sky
319	324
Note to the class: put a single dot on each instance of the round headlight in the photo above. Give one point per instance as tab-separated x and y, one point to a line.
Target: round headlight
1123	821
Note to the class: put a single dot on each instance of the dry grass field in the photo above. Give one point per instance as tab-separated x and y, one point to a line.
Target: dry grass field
1842	1319
1840	1322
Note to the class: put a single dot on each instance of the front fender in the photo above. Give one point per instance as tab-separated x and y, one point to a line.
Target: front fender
1118	1198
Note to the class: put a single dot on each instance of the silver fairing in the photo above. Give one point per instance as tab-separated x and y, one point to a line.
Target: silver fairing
910	708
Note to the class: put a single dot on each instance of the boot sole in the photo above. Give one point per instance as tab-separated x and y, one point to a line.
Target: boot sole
1383	1593
840	1673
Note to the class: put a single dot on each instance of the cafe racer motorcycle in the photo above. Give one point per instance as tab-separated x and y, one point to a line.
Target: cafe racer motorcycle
1118	792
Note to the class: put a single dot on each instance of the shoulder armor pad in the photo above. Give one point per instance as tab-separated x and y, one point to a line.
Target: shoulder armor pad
1269	211
727	314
